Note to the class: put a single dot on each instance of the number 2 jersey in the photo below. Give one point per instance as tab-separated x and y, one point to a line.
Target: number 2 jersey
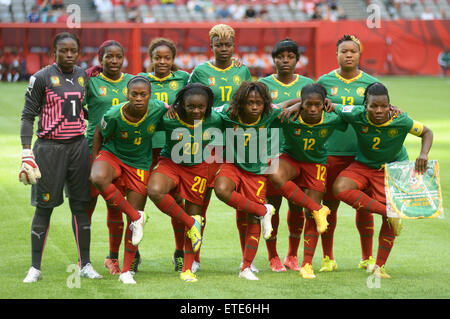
379	144
101	94
131	142
56	97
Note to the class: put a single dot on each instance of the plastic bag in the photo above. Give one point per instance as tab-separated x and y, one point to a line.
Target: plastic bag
410	195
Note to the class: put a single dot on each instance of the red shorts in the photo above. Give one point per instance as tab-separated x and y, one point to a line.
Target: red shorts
336	164
128	178
252	186
191	181
311	176
368	179
155	157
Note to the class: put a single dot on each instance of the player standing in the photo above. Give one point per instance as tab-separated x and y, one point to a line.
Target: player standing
380	137
223	75
283	86
60	154
122	150
345	85
106	87
166	81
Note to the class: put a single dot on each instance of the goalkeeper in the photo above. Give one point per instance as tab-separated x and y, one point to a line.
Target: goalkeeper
60	156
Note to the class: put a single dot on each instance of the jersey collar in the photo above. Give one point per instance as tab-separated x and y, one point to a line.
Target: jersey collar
283	84
348	81
127	121
154	77
311	125
187	124
104	77
250	124
221	70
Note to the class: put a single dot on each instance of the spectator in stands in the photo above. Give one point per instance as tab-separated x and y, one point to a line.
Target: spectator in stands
167	2
44	8
250	12
132	11
34	16
444	60
62	15
427	14
149	18
237	10
222	12
57	4
104	7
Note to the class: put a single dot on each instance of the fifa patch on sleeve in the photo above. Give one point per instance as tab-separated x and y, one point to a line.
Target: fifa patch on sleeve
416	129
219	108
103	123
347	108
31	84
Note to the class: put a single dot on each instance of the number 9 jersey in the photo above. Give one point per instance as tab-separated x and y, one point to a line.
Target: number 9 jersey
101	94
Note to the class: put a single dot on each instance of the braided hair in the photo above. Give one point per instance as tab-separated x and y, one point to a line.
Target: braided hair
240	97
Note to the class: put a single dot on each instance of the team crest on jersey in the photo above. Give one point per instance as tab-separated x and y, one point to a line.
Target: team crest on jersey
360	91
81	81
297	132
392	132
323	132
46	197
365	129
334	90
151	129
173	85
274	95
55	80
237	80
124	135
102	91
211	81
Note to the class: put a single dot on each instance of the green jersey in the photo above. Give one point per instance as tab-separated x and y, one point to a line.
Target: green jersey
306	142
131	142
165	89
223	82
346	92
251	146
379	144
185	143
101	94
281	92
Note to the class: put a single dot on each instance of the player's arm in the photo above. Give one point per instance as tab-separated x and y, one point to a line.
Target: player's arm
29	172
426	135
97	141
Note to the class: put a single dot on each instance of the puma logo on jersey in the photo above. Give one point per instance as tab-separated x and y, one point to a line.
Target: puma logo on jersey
115	91
225	79
70	81
347	90
287	93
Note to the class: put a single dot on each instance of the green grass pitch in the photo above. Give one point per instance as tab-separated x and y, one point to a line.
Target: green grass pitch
419	262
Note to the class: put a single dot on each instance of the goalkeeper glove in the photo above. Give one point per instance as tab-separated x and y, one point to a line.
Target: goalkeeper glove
29	171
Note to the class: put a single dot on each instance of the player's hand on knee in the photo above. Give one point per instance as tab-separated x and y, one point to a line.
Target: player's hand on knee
29	171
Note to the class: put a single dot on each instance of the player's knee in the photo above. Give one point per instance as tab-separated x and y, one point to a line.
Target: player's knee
155	192
222	191
276	180
99	179
339	186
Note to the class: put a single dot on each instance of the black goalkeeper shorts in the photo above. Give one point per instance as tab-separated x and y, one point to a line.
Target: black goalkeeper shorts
62	165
